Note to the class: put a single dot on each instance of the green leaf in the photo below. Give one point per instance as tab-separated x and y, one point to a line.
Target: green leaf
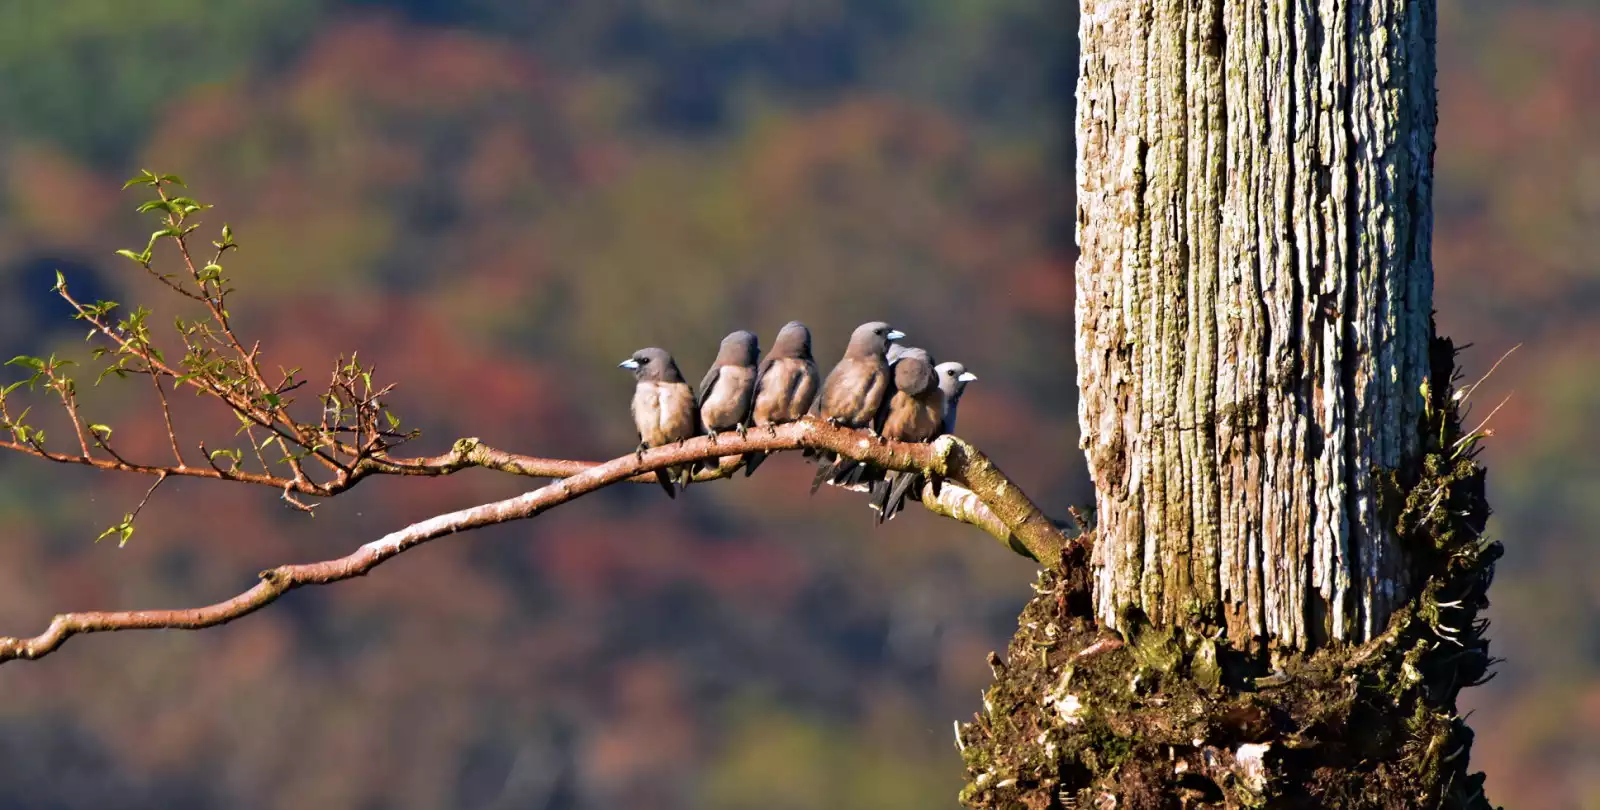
106	429
394	421
123	530
141	258
122	374
29	362
61	282
211	272
173	179
145	178
273	399
156	205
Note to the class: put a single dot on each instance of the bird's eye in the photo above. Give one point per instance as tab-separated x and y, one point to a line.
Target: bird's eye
950	373
644	361
877	331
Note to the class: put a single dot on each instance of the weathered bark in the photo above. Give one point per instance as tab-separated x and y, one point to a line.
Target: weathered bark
1288	559
1254	301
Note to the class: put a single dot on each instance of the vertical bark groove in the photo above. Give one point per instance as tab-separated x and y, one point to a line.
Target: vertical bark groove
1254	293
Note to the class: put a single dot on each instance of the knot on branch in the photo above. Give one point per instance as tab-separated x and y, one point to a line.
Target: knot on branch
464	448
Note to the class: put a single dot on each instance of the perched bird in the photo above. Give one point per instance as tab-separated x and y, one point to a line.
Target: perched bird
786	383
953	379
915	412
855	390
663	410
727	391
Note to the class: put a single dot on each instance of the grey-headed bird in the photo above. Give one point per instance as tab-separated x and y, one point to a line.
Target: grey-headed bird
663	410
786	384
727	391
953	379
913	413
728	388
855	389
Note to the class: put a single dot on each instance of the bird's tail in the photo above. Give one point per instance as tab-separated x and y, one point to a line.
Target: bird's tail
752	461
825	464
664	478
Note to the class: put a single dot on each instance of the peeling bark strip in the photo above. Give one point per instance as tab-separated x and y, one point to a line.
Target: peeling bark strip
1254	293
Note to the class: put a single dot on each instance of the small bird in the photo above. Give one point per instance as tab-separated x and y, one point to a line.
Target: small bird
854	391
728	388
953	379
664	410
727	391
915	412
786	384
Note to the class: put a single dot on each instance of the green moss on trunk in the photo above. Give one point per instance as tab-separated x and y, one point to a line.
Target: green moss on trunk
1175	718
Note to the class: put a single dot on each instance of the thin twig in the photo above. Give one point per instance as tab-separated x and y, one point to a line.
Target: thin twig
146	499
1477	431
166	415
1473	387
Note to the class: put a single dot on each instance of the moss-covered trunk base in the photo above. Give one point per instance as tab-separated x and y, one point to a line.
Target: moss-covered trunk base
1081	717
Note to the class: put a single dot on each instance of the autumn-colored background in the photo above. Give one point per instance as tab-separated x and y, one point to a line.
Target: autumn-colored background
497	200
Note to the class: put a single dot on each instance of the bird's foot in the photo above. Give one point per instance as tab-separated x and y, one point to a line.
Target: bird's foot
772	430
742	430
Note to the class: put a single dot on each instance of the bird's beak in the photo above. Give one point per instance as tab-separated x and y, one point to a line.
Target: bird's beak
896	334
629	364
967	376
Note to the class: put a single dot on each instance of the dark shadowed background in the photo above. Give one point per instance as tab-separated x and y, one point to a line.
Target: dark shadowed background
496	201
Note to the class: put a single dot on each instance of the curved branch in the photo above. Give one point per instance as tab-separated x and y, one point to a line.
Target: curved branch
982	495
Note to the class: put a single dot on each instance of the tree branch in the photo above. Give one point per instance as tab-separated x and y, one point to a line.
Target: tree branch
978	493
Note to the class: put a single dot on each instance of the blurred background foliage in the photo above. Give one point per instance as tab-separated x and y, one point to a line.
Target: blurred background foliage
495	201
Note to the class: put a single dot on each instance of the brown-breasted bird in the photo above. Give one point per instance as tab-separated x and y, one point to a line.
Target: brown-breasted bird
786	384
727	391
953	379
913	413
664	410
854	391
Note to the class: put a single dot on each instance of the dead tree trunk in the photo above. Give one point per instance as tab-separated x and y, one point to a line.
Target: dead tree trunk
1253	305
1287	561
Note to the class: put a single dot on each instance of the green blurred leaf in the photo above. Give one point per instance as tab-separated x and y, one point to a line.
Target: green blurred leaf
141	258
144	178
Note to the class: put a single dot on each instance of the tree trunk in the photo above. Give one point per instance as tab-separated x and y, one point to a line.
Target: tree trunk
1253	305
1287	560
